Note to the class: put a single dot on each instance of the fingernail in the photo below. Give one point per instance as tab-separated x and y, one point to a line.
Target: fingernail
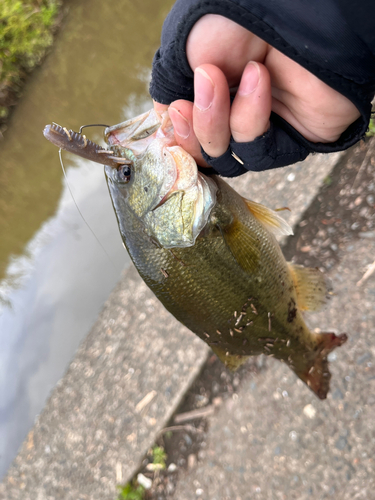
180	124
250	79
204	90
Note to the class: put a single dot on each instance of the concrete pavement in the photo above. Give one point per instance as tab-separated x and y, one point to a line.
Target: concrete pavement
273	439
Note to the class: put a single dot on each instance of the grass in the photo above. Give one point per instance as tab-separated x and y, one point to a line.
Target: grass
371	128
134	491
131	492
159	456
26	31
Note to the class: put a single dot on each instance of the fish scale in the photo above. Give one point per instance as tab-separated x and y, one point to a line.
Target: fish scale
208	254
204	297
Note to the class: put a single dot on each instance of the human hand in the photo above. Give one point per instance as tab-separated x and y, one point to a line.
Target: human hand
225	55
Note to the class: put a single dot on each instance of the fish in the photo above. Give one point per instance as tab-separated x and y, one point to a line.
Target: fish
209	255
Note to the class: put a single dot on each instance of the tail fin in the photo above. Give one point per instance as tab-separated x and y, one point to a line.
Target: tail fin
317	374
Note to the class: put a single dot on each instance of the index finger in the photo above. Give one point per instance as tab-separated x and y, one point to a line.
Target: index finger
160	107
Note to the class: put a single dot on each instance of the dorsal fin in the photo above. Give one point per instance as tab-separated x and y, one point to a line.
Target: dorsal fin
269	218
311	287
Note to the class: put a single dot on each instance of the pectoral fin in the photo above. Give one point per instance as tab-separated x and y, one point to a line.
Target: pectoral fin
311	287
243	245
269	218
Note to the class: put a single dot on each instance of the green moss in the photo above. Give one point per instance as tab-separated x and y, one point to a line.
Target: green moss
3	112
25	32
328	180
131	492
159	456
371	128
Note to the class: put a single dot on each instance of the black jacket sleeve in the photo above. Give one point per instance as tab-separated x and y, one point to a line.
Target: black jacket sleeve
333	39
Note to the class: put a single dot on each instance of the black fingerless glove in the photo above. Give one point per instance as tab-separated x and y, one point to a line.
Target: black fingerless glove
332	39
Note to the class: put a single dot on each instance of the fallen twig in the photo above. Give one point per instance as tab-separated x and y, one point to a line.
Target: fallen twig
191	415
367	274
173	428
145	401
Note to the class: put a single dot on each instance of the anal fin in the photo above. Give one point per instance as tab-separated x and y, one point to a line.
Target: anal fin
231	361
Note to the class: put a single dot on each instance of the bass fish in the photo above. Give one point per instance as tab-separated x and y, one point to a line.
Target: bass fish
208	254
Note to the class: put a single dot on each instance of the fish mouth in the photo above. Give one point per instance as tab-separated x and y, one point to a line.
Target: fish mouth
78	144
138	133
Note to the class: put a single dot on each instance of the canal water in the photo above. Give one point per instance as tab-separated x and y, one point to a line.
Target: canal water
54	275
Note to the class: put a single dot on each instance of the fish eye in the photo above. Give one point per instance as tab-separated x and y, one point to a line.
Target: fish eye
124	173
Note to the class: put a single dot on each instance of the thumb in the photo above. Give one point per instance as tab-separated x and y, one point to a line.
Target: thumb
251	108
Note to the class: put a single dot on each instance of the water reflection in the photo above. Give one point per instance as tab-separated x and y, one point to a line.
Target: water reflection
54	277
51	296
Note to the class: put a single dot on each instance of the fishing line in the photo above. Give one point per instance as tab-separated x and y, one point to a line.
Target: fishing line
92	125
80	213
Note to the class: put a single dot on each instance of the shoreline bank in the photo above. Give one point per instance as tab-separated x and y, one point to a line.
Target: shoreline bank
27	33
